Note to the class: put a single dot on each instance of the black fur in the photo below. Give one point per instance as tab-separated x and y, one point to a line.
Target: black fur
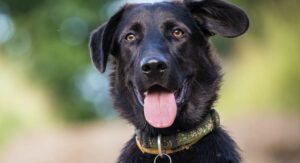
188	58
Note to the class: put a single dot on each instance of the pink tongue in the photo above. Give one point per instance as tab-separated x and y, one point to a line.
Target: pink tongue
160	109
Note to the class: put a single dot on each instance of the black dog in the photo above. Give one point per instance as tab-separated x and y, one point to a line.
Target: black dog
165	79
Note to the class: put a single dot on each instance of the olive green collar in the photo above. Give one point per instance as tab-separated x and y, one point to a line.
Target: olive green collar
180	141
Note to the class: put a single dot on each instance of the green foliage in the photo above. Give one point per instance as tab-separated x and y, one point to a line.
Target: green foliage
9	123
51	37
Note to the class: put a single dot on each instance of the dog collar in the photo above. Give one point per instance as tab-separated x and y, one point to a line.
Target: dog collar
180	141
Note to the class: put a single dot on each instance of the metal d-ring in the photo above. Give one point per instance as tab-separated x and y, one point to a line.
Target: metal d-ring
160	153
169	157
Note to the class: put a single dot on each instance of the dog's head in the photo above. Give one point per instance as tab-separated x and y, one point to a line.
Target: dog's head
163	71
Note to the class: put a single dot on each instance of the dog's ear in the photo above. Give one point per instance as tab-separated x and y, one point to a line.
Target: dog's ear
101	41
219	17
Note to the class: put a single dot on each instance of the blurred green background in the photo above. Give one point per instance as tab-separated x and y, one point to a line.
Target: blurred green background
47	80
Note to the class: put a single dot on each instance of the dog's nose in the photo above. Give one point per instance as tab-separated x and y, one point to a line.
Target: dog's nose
154	66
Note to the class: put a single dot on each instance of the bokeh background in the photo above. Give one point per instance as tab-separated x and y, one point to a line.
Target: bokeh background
54	105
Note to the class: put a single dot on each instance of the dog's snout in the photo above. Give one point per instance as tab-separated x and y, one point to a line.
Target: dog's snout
154	66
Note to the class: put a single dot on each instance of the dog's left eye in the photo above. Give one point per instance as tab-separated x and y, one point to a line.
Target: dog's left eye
177	33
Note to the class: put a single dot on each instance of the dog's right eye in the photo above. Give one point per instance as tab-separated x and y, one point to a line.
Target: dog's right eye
130	37
177	33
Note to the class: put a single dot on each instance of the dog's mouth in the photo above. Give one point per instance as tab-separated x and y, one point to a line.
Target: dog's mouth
160	103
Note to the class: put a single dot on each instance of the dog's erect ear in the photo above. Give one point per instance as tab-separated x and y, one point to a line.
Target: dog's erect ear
219	17
101	41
